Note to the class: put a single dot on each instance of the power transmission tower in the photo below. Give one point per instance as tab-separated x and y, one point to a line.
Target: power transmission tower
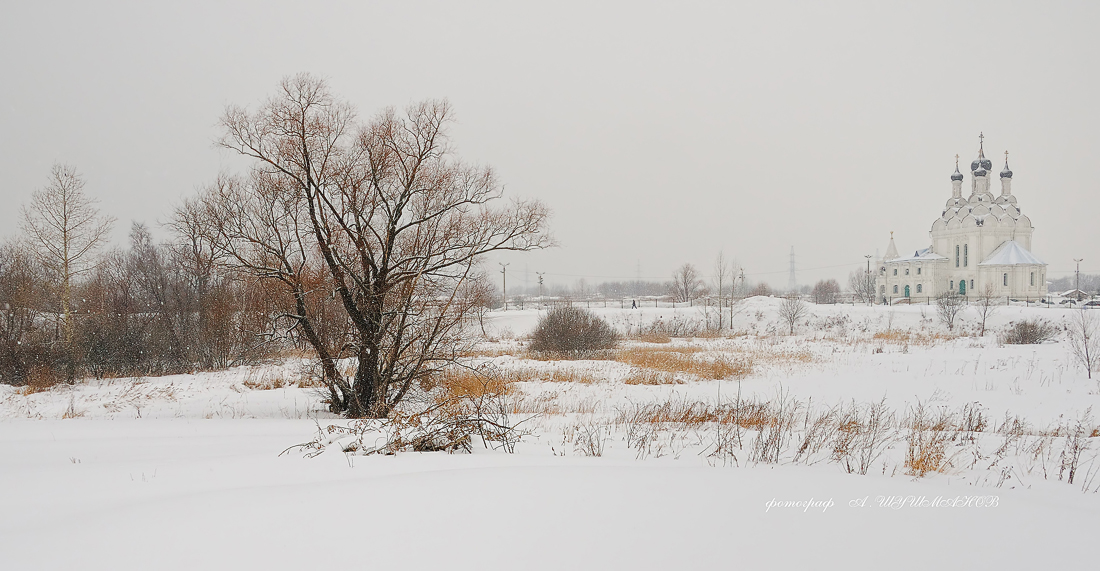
792	286
1078	285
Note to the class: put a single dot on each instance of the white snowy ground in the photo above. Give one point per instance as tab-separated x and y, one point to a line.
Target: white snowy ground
184	472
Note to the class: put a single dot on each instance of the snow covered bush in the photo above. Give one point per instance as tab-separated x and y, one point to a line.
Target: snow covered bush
572	331
1027	332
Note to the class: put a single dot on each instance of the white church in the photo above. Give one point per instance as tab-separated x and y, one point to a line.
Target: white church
977	242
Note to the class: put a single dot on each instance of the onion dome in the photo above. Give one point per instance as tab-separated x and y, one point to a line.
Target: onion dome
981	163
1006	172
957	175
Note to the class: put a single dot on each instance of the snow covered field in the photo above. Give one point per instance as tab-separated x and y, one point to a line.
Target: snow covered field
185	472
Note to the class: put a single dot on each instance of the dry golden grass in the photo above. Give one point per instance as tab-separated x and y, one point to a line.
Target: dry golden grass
650	377
553	356
680	359
41	379
468	383
496	351
546	404
930	456
752	415
900	337
651	337
262	382
561	376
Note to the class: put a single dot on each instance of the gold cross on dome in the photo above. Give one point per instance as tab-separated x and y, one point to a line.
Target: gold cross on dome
1006	157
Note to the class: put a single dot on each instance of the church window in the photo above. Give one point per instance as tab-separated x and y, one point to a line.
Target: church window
906	271
1033	279
895	289
919	288
952	284
1006	279
918	270
956	256
971	284
966	256
895	271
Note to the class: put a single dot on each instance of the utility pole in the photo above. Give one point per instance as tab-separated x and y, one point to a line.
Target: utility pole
540	274
1078	286
504	272
869	290
734	292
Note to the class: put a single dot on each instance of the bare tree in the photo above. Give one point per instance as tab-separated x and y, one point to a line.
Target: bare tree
66	230
791	310
395	220
686	283
761	289
478	293
1084	339
826	291
722	268
986	304
862	284
948	306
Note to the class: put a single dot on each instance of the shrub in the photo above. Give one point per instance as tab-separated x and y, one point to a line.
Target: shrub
1028	332
948	306
826	291
572	331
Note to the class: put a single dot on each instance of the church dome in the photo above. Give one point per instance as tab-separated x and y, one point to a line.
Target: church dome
1006	172
957	175
981	163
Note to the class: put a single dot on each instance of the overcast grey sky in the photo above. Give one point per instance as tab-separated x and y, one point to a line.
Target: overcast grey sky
658	133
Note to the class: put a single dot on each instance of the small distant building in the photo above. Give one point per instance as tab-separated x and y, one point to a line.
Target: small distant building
977	241
1075	294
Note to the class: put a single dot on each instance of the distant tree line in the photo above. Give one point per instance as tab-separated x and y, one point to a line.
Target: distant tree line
1090	283
70	306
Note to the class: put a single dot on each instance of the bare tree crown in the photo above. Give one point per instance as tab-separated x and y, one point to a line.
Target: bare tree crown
397	223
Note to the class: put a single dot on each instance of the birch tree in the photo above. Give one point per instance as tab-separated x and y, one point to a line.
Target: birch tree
66	230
